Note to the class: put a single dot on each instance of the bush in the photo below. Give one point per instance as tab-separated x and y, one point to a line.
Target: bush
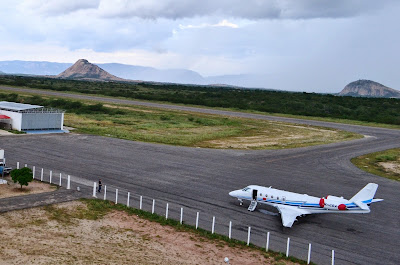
384	158
23	176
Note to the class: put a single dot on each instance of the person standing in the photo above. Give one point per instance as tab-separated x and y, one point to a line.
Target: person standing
99	190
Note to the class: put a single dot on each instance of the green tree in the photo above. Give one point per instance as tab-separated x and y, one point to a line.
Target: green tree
23	176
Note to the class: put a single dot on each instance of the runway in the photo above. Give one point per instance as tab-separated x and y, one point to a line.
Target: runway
200	179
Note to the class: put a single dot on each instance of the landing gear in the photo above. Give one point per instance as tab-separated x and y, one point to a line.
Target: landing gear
240	202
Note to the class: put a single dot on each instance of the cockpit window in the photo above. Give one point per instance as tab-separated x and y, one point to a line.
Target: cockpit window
246	189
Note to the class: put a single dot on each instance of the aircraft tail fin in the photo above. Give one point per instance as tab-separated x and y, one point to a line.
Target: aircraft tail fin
366	193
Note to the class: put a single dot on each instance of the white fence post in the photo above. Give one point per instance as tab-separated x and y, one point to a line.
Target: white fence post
127	200
230	230
116	196
267	244
105	192
248	235
94	189
141	202
333	257
41	175
152	207
17	165
68	182
33	171
213	225
51	175
181	215
59	184
197	220
26	165
287	247
309	253
166	212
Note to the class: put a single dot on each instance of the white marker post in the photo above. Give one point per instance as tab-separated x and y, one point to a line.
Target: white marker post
26	165
213	225
267	244
197	220
94	189
248	235
152	207
17	165
127	200
333	257
105	192
166	212
230	230
181	220
116	196
33	172
51	175
287	247
140	202
59	184
41	175
69	182
309	254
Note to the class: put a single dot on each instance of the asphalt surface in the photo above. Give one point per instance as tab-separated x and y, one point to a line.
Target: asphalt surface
200	179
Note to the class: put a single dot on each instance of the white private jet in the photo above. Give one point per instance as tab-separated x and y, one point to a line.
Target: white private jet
292	205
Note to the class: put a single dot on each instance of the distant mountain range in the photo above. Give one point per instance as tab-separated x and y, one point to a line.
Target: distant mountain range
368	88
132	72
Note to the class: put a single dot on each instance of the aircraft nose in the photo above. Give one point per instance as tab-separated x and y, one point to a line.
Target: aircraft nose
233	193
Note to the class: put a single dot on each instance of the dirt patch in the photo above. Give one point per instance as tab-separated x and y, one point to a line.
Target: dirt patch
33	237
393	167
12	189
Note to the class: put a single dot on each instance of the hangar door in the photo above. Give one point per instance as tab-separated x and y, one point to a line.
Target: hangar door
41	121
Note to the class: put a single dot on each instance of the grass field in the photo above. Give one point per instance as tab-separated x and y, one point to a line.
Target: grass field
385	163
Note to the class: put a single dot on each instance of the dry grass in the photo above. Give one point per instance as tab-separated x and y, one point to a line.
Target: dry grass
12	189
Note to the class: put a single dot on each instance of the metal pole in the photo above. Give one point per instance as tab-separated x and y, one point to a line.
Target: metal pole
248	235
127	201
213	225
230	230
33	171
140	202
267	244
51	175
26	165
69	182
309	254
94	189
105	192
152	207
17	165
166	212
116	196
287	247
181	215
59	184
333	257
197	220
41	175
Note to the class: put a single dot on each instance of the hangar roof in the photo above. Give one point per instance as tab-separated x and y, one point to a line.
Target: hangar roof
12	106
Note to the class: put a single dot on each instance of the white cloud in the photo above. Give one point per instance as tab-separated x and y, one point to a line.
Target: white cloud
223	23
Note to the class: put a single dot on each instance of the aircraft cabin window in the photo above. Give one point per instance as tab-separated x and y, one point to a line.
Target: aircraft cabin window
272	196
260	194
283	198
277	198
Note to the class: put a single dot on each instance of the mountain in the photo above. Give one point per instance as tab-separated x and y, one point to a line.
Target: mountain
368	88
32	67
82	69
134	72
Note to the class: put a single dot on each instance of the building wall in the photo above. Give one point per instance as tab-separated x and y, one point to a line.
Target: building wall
42	121
16	119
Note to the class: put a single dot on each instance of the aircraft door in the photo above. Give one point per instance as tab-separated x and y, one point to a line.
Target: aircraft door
255	194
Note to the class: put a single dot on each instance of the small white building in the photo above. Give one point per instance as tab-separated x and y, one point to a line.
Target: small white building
26	117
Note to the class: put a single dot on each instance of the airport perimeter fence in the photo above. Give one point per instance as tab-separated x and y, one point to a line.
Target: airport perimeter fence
256	235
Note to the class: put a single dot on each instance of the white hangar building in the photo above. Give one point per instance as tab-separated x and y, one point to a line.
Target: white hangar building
26	117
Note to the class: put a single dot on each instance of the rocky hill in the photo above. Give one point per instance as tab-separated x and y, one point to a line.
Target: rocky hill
82	69
368	88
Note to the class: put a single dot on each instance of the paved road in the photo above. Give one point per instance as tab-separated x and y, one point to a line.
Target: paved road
200	179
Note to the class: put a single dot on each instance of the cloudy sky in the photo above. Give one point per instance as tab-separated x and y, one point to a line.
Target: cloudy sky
297	45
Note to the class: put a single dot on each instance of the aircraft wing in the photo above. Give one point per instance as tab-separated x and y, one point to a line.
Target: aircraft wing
289	214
